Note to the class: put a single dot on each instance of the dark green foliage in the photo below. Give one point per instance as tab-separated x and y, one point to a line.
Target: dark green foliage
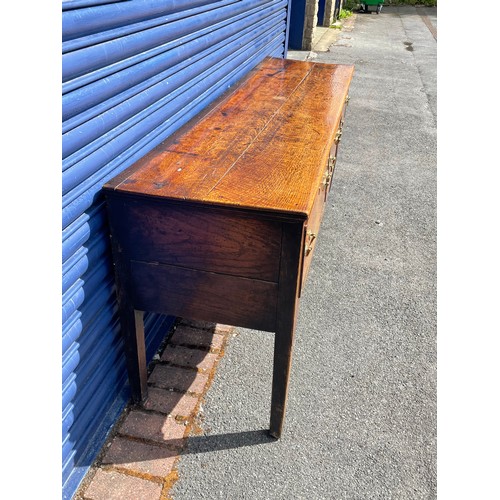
354	4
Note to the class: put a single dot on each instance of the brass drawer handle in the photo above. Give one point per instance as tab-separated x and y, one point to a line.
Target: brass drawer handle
312	237
326	179
331	164
338	135
332	160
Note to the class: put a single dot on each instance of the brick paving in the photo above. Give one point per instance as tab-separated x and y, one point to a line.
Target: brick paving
138	461
192	358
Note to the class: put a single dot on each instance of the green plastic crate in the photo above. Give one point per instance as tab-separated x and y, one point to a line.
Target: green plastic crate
377	3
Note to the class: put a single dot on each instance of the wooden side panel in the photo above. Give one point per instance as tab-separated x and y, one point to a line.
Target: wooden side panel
198	237
204	296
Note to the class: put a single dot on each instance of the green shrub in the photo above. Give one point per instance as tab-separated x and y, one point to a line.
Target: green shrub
344	13
349	5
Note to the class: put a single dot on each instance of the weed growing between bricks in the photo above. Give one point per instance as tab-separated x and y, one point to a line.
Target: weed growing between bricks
140	456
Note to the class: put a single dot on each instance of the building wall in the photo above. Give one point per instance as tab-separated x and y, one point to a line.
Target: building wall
311	21
329	16
133	73
303	22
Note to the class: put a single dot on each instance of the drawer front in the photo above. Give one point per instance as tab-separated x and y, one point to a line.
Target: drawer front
339	132
313	224
332	161
204	296
199	238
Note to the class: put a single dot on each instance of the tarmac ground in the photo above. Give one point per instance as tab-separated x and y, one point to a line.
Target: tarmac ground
361	414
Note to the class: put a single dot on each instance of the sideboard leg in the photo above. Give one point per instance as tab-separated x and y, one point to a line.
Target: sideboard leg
135	352
283	346
292	244
131	320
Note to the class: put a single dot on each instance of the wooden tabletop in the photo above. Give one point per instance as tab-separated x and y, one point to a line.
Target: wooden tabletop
258	147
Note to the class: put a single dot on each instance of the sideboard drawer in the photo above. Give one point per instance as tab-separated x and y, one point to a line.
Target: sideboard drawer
314	222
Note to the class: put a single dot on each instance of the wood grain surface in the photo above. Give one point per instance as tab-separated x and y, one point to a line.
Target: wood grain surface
271	134
196	237
204	296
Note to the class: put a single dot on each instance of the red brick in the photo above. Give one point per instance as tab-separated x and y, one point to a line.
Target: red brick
171	377
185	335
205	325
191	358
223	329
111	485
170	402
159	428
140	457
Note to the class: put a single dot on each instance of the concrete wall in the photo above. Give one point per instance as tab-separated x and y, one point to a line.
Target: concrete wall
310	22
304	19
328	18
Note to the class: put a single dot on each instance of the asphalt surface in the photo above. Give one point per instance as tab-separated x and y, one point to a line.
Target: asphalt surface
361	417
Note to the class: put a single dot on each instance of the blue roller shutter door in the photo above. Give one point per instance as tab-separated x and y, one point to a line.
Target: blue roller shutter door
133	73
